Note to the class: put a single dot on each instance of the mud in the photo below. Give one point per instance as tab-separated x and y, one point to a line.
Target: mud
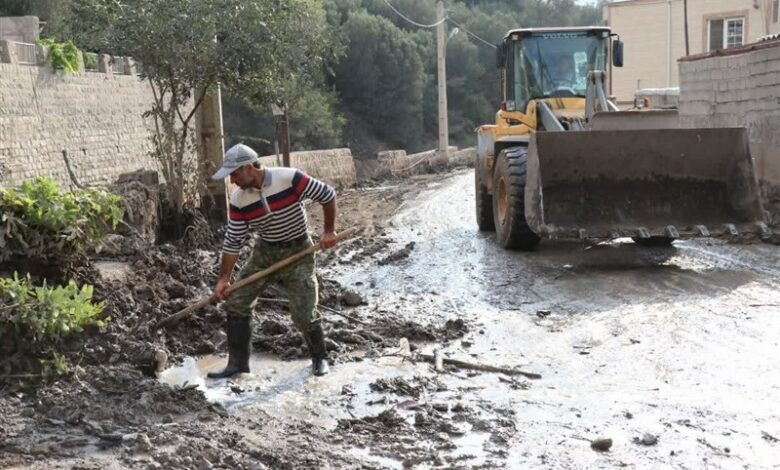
654	349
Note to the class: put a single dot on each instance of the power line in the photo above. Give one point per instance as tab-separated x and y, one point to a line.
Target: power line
420	25
469	32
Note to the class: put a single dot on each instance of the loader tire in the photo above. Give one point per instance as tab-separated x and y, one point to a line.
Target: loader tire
512	230
653	241
484	200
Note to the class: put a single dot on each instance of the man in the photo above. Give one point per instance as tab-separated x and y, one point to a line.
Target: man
269	201
562	72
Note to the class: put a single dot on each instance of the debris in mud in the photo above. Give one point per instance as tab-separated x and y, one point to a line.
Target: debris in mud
515	384
401	386
601	444
769	438
399	255
476	367
386	421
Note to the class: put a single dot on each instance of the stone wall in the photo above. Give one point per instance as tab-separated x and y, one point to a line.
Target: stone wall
398	163
85	126
739	88
334	166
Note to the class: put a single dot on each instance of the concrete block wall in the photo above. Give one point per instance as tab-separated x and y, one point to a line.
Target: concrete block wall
95	118
19	28
398	163
334	166
741	90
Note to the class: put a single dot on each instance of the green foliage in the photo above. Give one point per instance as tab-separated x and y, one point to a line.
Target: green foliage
55	367
62	55
40	221
381	77
257	50
314	123
472	79
43	314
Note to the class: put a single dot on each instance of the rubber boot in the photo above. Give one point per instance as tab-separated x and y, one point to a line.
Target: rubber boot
315	338
239	337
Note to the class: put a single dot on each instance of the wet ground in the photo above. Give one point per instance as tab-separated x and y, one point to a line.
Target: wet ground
670	353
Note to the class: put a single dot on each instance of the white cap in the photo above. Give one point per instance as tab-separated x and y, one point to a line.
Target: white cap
237	156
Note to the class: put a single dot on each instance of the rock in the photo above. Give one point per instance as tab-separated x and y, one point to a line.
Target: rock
352	299
40	449
204	464
646	440
442	407
459	407
601	444
144	443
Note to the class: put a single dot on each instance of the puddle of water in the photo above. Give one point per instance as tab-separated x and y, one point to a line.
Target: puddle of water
288	387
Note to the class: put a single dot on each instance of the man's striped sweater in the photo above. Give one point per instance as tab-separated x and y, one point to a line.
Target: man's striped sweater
276	212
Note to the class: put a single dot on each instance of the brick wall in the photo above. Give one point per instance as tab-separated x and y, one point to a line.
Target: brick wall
739	90
96	118
334	166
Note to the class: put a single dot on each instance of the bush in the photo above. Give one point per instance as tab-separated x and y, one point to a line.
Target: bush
41	222
43	314
62	55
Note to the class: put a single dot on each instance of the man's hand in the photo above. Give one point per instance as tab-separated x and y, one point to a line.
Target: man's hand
328	240
220	290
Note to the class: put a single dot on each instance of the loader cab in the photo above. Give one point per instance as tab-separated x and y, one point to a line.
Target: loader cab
549	63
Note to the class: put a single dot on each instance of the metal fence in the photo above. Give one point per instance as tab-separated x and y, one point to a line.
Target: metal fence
118	65
25	53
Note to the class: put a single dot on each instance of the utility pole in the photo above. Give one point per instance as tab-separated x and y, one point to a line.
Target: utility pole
685	14
282	132
441	53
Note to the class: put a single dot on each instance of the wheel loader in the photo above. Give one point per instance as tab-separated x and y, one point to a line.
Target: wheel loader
562	162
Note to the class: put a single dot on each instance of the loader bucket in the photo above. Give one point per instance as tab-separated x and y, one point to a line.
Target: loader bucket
677	183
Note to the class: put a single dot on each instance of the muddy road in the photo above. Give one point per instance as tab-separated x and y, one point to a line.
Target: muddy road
679	343
669	352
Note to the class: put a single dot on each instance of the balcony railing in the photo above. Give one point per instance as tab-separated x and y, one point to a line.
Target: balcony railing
25	53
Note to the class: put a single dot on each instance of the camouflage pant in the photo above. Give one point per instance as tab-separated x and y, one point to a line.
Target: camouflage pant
299	282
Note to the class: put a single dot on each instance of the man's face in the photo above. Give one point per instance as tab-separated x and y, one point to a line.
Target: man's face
562	68
243	177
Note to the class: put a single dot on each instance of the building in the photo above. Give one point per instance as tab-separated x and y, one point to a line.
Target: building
653	32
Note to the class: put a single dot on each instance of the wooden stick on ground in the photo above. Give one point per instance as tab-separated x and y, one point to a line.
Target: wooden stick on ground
249	280
322	307
479	367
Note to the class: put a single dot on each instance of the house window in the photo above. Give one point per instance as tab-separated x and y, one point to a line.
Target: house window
776	11
725	33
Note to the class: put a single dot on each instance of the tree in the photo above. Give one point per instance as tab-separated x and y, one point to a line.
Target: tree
314	123
381	78
258	50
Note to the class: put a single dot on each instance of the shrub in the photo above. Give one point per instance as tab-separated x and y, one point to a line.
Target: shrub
40	221
62	55
43	314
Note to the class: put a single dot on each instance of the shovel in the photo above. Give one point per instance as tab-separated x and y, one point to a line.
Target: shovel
250	279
